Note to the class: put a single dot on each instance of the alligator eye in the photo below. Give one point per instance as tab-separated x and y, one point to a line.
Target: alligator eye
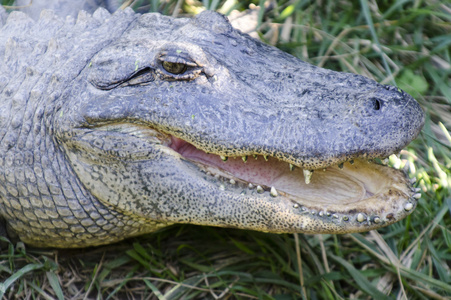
174	68
377	104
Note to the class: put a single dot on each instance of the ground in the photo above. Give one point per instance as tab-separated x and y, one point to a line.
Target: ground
404	42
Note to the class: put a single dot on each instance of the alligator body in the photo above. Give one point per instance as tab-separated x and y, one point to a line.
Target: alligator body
116	125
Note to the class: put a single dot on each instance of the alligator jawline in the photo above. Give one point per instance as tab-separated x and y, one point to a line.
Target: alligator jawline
364	191
349	187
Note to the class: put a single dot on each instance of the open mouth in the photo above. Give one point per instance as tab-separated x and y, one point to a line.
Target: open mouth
360	194
360	189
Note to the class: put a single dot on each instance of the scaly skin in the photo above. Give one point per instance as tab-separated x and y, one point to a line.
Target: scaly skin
116	125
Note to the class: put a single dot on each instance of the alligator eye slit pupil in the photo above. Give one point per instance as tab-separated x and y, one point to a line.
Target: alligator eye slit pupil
174	68
376	104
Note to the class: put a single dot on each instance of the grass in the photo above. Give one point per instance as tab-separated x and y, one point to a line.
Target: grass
406	43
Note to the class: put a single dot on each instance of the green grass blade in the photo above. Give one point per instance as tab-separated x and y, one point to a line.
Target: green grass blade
40	291
178	290
154	289
360	279
55	284
16	276
369	20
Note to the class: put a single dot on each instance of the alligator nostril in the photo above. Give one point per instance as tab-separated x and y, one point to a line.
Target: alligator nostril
377	104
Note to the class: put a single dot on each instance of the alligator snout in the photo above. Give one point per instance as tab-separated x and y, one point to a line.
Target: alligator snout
395	118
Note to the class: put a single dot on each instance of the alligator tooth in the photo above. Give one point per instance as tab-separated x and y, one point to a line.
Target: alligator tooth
260	189
222	187
244	158
385	161
251	186
408	206
255	156
232	181
360	218
296	205
291	167
376	220
340	166
273	192
413	180
416	190
307	176
265	157
224	158
417	196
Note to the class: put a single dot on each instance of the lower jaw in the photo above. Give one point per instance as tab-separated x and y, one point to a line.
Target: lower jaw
363	194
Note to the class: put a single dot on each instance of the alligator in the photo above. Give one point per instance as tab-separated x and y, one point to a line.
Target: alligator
116	125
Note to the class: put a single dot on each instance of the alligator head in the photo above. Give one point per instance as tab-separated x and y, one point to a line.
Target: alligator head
191	121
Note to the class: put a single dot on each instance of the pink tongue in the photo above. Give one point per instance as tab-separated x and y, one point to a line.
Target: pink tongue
255	171
331	187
